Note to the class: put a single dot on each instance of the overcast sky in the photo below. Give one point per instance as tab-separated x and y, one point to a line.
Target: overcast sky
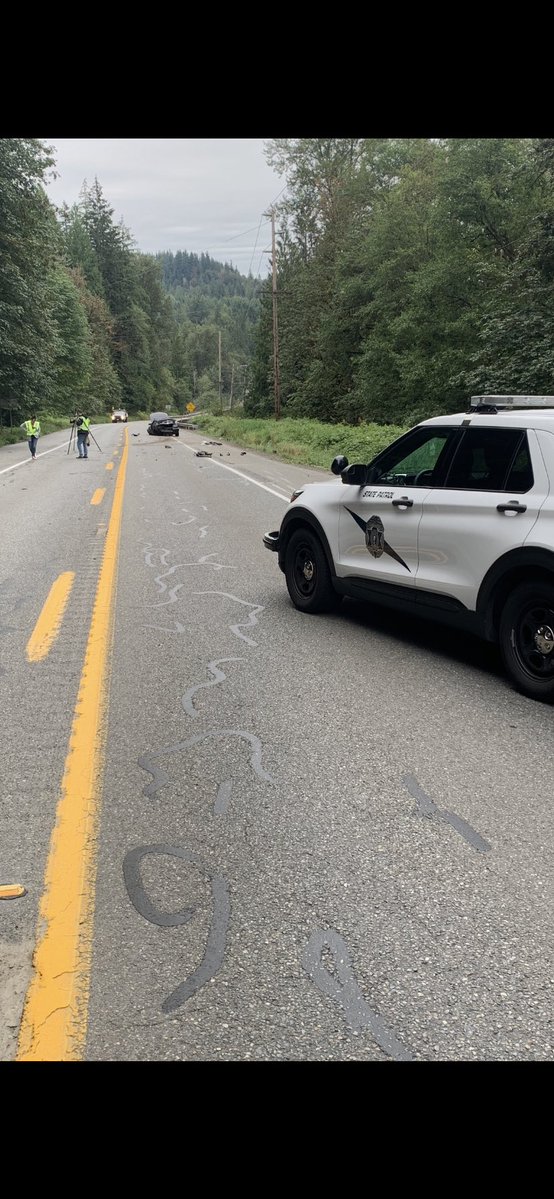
200	195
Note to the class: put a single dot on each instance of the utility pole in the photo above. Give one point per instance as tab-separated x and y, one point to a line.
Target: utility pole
232	377
276	382
220	396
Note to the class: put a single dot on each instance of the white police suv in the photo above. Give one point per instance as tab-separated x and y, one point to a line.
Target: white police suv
453	521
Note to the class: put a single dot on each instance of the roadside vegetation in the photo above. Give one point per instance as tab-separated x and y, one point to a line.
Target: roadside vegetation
306	442
409	275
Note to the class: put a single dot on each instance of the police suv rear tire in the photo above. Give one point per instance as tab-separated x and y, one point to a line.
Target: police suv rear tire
307	574
527	639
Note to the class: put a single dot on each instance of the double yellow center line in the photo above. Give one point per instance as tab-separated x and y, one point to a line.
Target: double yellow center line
54	1022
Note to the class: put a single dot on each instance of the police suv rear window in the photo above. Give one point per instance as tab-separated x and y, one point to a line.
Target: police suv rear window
491	460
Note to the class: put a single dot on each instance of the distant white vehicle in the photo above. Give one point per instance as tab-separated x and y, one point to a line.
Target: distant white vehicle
119	414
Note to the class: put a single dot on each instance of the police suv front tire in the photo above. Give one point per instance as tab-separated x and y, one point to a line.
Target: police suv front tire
307	574
527	639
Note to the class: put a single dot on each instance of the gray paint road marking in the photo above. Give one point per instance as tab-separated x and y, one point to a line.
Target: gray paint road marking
241	624
215	945
428	808
341	986
219	677
223	798
159	779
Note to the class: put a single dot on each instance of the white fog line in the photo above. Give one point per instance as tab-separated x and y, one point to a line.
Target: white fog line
241	475
27	461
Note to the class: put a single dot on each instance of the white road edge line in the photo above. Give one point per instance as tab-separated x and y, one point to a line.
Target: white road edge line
27	461
241	475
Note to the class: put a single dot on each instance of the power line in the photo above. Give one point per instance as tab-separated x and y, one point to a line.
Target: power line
261	256
255	243
277	196
246	231
235	235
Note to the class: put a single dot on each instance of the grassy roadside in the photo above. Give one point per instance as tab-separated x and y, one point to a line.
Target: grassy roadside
305	442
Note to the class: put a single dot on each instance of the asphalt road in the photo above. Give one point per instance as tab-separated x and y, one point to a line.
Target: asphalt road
320	838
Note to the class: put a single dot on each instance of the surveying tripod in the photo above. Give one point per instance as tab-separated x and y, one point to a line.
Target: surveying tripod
73	434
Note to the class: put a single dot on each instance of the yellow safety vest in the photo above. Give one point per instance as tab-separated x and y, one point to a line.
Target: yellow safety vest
32	428
85	425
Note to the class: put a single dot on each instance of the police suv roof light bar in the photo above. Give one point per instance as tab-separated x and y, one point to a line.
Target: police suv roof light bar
512	402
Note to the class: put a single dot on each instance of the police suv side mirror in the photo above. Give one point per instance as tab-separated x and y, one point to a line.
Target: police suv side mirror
355	475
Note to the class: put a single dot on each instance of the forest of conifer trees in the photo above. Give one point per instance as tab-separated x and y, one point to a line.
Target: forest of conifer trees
410	274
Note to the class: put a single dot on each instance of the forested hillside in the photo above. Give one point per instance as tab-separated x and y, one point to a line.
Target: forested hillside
184	274
412	273
86	319
210	299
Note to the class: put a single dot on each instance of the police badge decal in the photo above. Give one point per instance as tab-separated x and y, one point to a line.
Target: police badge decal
375	536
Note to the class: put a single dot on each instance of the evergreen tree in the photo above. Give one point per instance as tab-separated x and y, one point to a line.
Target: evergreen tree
71	366
29	245
103	390
78	247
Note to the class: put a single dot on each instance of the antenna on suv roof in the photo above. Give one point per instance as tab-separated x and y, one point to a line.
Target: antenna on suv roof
493	403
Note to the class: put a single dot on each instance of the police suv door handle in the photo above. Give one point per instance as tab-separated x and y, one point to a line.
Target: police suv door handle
513	506
403	502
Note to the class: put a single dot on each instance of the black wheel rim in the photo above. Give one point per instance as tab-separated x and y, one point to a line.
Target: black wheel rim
533	641
305	571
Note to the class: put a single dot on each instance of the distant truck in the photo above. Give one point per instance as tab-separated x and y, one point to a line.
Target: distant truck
119	414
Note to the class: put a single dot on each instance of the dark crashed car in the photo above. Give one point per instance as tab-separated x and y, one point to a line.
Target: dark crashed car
162	425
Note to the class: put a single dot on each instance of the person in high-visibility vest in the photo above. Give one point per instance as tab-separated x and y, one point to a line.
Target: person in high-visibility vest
32	433
82	424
